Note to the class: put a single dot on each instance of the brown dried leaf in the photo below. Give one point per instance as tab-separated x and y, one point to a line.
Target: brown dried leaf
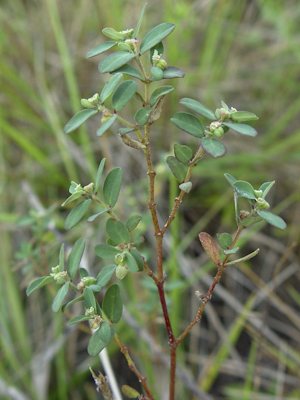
209	247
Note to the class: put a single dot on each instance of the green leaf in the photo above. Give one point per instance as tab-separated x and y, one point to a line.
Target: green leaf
89	298
94	216
106	251
182	153
75	257
115	60
265	187
100	48
59	298
112	186
155	36
106	332
160	50
80	318
142	115
231	251
157	73
112	303
77	213
209	247
241	128
73	197
106	125
78	119
178	169
129	70
173	72
230	179
213	147
188	123
117	231
123	94
61	258
99	174
73	186
224	240
113	34
138	258
272	219
128	391
83	273
131	263
198	108
249	221
38	283
186	187
243	116
110	86
137	29
105	275
96	344
133	222
244	189
159	92
80	298
139	240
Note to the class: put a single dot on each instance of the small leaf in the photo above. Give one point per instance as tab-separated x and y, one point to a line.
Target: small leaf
110	86
94	216
159	92
188	123
112	303
73	186
244	189
131	263
247	257
173	72
106	251
75	257
105	275
224	240
38	283
265	187
230	179
243	116
272	219
186	187
231	251
249	221
128	391
133	222
100	48
129	70
77	213
137	29
178	169
80	298
73	197
89	298
142	115
198	108
123	94
157	73
209	247
83	273
78	119
106	333
61	258
241	128
117	231
138	258
96	344
80	318
59	298
183	153
113	34
106	125
155	36
213	147
115	60
112	186
99	174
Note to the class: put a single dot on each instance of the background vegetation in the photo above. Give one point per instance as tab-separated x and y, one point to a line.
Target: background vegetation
246	53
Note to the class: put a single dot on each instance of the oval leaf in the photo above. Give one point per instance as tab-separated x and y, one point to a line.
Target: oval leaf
159	92
243	116
241	128
133	222
128	391
224	240
123	94
244	189
209	247
100	48
114	61
38	283
117	231
59	298
198	108
188	123
79	119
131	263
182	153
99	174
110	86
105	275
106	251
142	115
138	258
113	34
77	213
112	303
155	36
178	169
173	72
213	147
272	219
75	257
186	187
89	299
157	73
265	187
129	70
112	186
96	344
106	125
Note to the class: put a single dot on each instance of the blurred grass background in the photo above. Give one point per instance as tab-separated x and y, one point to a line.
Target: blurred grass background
246	53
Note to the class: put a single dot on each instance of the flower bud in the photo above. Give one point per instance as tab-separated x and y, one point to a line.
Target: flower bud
218	113
262	204
124	47
219	132
92	102
158	61
120	259
90	311
106	115
258	193
121	271
61	277
89	189
213	126
88	280
95	322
